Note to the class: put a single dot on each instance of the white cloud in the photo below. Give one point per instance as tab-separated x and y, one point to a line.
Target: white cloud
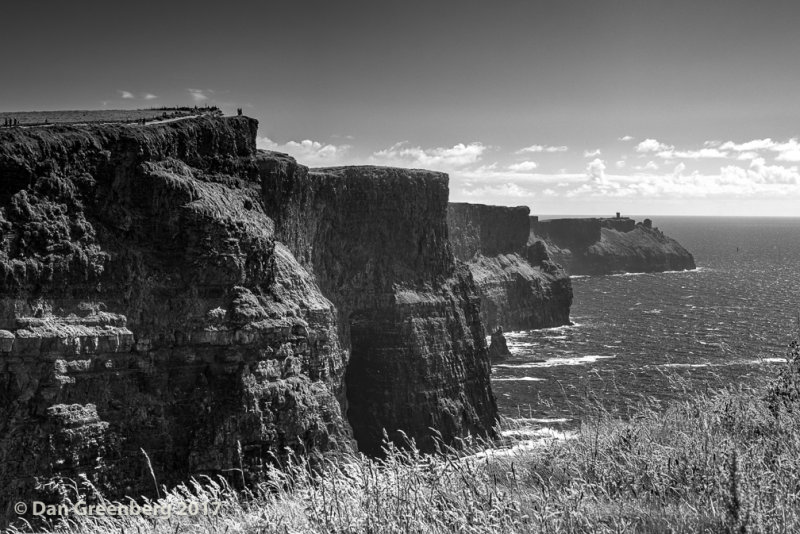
523	166
694	154
198	95
149	96
651	145
626	138
749	146
591	153
125	94
597	170
308	152
651	166
439	158
507	190
620	164
542	148
788	151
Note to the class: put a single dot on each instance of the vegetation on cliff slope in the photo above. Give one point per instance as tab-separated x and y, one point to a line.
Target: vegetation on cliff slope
725	461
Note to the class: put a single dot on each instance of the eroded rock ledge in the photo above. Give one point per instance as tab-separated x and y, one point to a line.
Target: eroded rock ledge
520	287
149	303
610	245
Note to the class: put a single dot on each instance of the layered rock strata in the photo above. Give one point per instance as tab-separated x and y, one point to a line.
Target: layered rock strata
147	305
610	245
520	287
376	240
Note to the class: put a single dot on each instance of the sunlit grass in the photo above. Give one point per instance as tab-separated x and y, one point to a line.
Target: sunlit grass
720	461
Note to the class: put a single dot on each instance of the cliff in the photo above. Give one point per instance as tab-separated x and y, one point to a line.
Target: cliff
376	240
612	245
520	287
148	304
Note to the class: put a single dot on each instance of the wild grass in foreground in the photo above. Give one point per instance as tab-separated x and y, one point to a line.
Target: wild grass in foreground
725	461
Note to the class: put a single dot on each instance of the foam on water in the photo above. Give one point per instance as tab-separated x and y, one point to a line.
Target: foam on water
727	321
553	362
519	379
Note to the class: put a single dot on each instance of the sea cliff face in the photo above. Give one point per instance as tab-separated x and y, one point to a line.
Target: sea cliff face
148	304
520	287
376	240
606	246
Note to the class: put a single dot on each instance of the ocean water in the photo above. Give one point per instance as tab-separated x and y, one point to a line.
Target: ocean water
662	336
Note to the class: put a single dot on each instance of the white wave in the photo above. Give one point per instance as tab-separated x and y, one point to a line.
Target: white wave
554	362
533	432
512	334
518	379
765	360
727	363
542	421
541	437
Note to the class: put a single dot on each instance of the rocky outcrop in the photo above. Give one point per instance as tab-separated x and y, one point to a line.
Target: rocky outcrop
376	240
520	287
498	348
611	245
148	305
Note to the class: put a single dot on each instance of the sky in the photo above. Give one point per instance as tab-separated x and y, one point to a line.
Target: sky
570	107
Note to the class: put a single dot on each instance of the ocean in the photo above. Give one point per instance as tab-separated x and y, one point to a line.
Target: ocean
663	336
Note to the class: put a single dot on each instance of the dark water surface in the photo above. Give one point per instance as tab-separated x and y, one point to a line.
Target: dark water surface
663	335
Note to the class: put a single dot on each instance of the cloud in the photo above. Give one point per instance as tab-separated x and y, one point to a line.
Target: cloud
198	95
749	146
542	148
499	190
523	166
626	138
308	152
786	151
651	145
620	164
693	154
149	96
439	158
651	166
759	179
596	170
591	153
125	94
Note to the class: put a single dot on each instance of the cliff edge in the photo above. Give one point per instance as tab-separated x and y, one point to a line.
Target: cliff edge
520	287
610	245
376	240
148	304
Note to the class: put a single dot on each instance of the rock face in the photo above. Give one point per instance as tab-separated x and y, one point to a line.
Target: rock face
520	287
147	304
376	240
613	245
